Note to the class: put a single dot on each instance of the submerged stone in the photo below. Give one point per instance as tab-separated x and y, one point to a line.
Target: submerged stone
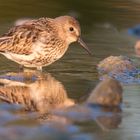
121	68
116	64
107	93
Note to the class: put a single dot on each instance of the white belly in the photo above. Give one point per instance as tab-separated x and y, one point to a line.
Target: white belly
38	58
25	60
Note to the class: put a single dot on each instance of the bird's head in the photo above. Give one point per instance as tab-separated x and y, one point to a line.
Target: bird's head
70	31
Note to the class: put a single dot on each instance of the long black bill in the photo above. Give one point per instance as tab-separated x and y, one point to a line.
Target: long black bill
84	46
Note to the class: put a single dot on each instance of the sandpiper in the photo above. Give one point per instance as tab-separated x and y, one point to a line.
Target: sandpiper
40	42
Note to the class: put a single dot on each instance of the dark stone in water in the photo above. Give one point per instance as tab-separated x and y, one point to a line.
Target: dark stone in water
116	64
107	93
119	67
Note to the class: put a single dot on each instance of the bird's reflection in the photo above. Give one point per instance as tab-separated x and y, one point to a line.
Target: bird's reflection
34	90
42	93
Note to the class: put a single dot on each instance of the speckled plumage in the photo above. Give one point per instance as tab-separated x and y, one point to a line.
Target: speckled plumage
40	42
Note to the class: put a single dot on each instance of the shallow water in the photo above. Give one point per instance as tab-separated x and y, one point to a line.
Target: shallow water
104	29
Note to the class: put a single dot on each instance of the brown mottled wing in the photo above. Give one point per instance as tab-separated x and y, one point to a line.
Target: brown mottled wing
20	38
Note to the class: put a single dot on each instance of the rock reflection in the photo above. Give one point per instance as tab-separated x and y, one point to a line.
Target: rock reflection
111	121
115	65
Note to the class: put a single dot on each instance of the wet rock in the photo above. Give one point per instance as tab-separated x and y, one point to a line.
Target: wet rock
107	93
119	67
116	65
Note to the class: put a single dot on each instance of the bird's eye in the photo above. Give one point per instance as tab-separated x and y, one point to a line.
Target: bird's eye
71	29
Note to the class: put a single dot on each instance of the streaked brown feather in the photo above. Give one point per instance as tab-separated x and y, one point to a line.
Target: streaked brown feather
20	38
38	43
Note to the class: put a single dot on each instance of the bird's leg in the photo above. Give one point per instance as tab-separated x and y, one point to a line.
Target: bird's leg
21	67
39	72
39	68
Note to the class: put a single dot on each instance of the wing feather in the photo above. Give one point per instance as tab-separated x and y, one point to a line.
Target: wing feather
20	38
